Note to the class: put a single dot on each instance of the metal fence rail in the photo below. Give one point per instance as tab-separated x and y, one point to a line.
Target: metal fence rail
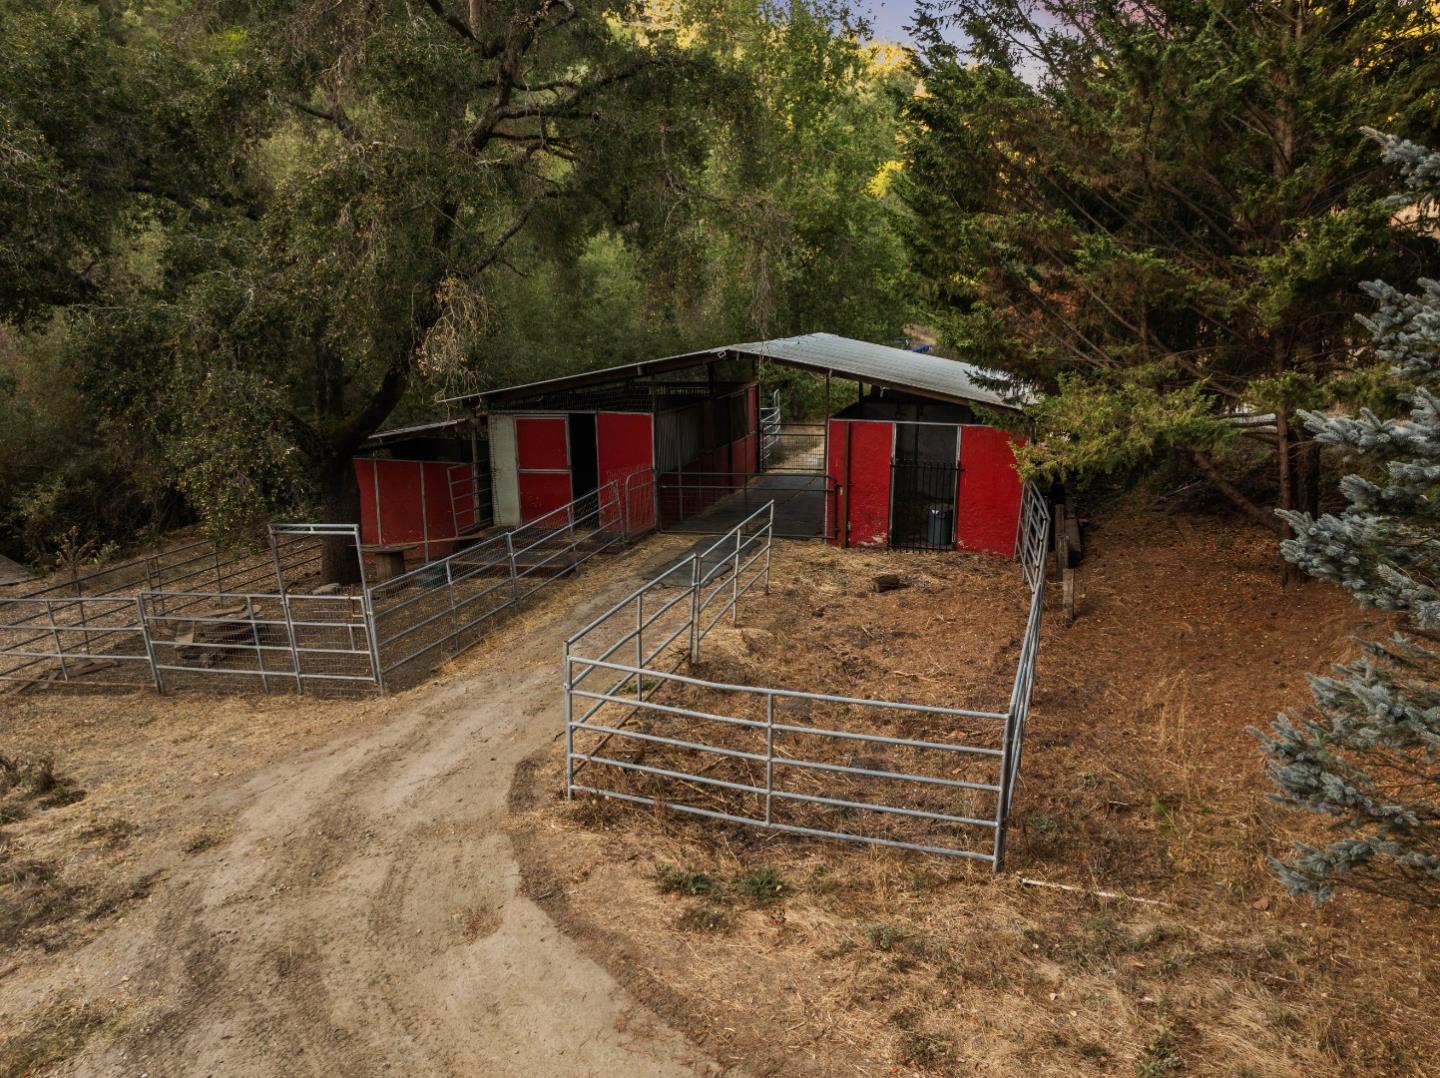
267	642
770	429
194	620
430	613
881	772
711	503
60	639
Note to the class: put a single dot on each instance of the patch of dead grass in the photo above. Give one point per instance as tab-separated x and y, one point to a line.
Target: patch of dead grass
49	1038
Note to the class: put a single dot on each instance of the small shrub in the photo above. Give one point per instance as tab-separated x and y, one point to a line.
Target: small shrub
919	1049
32	896
1042	823
35	774
60	796
1151	937
836	950
201	842
1162	1054
675	881
884	936
597	813
113	833
905	1017
822	883
762	886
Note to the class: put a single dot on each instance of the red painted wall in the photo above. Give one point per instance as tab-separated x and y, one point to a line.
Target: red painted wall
369	508
988	513
859	463
397	505
627	444
542	457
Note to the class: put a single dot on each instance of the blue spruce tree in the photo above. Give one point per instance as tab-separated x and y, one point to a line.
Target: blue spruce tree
1368	754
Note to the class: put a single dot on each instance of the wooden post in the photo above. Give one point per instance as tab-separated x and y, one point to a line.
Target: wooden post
825	421
1062	542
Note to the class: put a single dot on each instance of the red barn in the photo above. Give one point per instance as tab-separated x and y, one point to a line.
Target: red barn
908	463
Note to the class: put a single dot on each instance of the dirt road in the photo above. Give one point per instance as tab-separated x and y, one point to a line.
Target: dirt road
364	915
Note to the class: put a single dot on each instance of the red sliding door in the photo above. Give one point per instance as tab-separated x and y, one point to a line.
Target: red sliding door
542	458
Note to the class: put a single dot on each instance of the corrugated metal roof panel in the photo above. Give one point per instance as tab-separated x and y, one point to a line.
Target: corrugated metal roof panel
881	363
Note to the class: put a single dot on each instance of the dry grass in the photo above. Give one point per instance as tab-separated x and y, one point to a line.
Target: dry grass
1138	779
50	1037
826	628
106	794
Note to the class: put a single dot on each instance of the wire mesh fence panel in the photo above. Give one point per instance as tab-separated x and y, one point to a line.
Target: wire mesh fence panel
58	639
711	503
638	502
259	642
794	447
883	772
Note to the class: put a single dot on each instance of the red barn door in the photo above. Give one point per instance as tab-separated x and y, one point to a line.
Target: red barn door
542	458
988	499
627	445
859	463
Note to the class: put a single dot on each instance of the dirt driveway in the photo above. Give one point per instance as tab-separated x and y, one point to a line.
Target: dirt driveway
363	915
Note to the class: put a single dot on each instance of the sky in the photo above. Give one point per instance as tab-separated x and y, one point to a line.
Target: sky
888	18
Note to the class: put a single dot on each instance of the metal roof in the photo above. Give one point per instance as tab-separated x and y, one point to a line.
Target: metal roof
380	437
917	372
876	364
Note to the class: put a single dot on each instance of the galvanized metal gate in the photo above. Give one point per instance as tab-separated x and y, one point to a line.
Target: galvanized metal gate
892	773
922	505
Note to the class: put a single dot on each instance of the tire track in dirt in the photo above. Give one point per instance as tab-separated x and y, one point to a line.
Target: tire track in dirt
365	915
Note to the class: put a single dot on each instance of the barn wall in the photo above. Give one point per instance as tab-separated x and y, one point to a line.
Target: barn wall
988	513
859	463
406	501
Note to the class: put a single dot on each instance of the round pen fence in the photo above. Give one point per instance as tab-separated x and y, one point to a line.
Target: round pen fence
882	772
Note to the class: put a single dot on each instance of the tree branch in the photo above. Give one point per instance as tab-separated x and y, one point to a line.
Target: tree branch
1266	519
337	117
487	49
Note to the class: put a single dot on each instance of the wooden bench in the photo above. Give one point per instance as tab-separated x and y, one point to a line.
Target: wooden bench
389	559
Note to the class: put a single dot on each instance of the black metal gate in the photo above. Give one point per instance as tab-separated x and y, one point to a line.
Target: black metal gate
922	505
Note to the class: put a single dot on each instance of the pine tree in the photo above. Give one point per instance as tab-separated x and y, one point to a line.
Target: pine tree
1368	756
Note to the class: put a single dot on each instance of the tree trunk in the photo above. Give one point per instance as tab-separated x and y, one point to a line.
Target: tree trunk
1287	452
1307	476
339	504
